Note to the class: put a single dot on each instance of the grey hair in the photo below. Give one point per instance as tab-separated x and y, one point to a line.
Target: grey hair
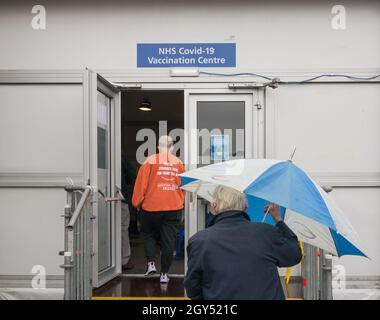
227	198
165	142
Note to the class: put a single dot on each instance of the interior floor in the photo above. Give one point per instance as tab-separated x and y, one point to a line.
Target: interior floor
129	286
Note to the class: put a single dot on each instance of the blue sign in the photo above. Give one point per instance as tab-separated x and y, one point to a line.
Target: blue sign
165	55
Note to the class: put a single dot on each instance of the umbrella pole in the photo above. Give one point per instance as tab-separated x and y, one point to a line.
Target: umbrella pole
265	215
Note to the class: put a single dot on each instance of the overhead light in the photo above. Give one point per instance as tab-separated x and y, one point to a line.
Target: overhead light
145	105
184	72
145	109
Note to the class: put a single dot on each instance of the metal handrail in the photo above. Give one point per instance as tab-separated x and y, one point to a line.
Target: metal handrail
79	207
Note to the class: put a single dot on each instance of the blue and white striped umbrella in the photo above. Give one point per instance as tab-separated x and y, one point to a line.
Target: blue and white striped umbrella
310	212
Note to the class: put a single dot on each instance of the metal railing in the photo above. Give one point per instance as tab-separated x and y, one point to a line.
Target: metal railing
317	274
310	273
325	276
78	243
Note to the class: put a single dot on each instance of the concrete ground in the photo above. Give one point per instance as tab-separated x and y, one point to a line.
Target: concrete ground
356	294
31	294
154	289
132	284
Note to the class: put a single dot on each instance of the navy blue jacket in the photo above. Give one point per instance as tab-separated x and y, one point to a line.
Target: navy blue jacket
237	259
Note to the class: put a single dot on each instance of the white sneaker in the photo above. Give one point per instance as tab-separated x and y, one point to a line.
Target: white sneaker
164	278
151	269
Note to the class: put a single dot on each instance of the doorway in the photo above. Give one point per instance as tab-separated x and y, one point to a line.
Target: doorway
146	115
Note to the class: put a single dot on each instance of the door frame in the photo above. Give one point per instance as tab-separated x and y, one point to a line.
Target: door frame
208	88
223	86
98	83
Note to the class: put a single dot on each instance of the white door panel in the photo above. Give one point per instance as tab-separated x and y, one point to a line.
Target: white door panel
105	176
231	115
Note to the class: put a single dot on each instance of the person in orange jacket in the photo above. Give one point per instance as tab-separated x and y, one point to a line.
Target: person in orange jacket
160	200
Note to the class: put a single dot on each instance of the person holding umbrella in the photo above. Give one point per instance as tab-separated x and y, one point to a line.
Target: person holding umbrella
237	259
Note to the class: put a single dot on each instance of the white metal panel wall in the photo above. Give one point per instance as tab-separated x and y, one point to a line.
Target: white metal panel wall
31	230
335	128
41	128
362	206
270	34
41	143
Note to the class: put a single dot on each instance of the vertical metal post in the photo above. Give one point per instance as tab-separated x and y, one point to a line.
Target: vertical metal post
72	277
67	266
91	249
310	273
329	291
79	256
88	268
67	261
325	269
326	279
76	260
321	274
85	265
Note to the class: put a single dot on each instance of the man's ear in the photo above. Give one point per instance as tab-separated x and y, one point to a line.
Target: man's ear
214	206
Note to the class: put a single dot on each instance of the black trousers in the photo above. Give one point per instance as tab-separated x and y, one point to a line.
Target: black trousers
161	225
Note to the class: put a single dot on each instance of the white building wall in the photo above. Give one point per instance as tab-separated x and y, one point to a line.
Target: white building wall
361	205
41	128
271	35
334	126
41	144
335	129
31	230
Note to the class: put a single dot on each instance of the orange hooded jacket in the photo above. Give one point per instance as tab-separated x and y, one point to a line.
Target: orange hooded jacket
157	184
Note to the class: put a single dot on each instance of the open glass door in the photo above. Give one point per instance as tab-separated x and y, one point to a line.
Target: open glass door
105	174
222	127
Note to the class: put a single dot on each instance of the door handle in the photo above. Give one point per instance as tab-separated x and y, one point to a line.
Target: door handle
119	196
118	192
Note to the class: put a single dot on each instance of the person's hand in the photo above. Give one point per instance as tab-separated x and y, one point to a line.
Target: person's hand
274	211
